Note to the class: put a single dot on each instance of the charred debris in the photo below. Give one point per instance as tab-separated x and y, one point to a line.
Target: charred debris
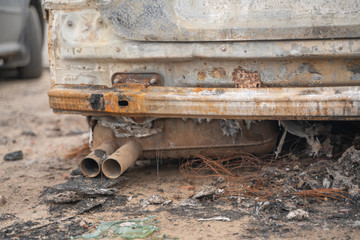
306	182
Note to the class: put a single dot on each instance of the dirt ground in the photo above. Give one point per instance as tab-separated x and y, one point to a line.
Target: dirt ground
28	211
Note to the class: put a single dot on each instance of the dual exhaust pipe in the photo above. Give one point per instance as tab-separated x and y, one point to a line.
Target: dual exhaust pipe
111	161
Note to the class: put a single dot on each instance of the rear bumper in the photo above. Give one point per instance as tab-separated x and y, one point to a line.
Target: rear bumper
321	103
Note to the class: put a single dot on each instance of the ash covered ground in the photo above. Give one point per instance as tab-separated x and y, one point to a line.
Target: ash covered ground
309	191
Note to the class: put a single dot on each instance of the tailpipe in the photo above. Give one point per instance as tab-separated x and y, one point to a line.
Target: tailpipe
90	165
122	159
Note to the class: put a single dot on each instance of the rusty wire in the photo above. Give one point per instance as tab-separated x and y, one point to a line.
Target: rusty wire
231	165
323	194
242	172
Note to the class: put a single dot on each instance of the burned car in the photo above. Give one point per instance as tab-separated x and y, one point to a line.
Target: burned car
166	79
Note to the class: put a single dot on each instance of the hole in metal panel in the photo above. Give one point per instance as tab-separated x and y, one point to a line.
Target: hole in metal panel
123	103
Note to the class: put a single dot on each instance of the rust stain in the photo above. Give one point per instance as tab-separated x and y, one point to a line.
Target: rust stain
197	90
245	79
201	76
218	72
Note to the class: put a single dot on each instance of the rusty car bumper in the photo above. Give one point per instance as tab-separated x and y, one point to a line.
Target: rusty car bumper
224	103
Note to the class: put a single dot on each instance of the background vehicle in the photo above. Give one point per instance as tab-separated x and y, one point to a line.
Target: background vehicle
21	37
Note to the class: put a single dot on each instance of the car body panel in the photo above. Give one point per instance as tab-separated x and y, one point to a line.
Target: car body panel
224	20
274	79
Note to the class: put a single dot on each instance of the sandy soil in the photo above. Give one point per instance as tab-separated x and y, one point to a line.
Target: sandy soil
28	124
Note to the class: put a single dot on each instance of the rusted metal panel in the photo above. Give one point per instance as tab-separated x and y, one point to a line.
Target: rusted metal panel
199	78
90	36
175	142
253	103
88	52
211	73
224	20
